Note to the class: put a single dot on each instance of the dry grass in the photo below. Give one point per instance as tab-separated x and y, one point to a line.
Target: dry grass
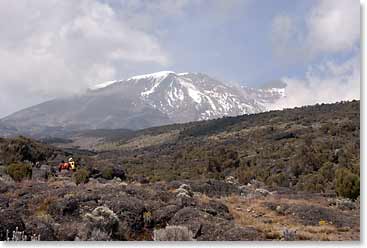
203	198
251	212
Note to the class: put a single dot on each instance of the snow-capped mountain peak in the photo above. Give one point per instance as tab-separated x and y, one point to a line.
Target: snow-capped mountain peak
195	94
149	100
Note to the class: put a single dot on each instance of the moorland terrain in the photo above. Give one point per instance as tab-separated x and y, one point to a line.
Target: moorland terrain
278	175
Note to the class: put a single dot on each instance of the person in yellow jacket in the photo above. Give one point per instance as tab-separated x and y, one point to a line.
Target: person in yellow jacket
72	164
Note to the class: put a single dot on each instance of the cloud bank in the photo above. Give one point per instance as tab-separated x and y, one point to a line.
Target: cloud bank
60	47
52	48
326	83
332	27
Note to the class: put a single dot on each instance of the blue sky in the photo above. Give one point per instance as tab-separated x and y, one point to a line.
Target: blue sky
238	48
235	45
55	48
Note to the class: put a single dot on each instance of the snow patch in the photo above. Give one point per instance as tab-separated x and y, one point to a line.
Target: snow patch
192	91
103	85
183	73
156	75
151	90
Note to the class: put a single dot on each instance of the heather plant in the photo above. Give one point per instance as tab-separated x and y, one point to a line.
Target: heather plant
107	173
81	176
19	171
347	183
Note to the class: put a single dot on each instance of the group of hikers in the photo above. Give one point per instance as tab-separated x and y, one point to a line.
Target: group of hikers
70	165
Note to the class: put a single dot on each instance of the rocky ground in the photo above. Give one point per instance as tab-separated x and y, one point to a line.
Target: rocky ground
58	209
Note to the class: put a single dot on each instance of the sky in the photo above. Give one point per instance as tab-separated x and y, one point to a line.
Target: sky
56	48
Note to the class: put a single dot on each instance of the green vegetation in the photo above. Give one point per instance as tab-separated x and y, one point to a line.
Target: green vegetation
280	179
347	183
19	171
107	173
81	176
298	148
314	183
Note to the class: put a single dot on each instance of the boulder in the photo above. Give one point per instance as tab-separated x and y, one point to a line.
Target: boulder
262	192
231	180
63	207
242	234
345	204
190	217
163	215
41	173
215	208
173	233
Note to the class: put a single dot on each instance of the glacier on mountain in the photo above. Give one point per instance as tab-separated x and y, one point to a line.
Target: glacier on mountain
197	95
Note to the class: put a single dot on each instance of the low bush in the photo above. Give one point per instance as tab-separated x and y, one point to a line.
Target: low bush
107	173
245	175
279	179
314	183
19	171
347	183
81	176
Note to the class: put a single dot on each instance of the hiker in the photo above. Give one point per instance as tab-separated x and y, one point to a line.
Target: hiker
63	166
72	164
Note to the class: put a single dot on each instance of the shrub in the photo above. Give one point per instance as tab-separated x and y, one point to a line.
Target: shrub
107	173
111	171
327	171
314	183
19	171
279	179
173	233
214	165
245	176
81	176
347	183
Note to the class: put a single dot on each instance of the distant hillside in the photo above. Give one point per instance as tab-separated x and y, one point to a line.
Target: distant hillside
299	148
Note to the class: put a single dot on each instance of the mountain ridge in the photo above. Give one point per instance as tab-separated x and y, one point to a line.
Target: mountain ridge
143	101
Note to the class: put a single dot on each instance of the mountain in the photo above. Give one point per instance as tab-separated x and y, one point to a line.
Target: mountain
143	101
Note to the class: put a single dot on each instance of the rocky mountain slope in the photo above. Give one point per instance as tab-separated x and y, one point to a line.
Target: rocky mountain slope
140	102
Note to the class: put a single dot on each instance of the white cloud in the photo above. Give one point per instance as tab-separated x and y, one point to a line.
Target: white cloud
56	47
326	83
332	26
286	38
